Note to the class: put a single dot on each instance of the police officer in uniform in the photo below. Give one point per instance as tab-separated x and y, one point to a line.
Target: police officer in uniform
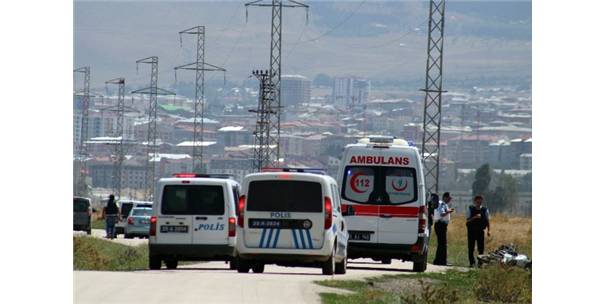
442	218
478	220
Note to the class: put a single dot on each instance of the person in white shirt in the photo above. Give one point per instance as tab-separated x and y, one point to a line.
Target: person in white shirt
442	218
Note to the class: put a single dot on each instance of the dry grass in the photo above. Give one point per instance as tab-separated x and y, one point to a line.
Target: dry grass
504	230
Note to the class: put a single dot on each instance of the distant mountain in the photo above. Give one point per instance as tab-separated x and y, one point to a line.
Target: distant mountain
374	39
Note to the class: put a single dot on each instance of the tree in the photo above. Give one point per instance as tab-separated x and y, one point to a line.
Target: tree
482	180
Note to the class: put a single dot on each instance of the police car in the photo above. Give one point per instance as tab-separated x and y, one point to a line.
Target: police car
291	217
382	188
193	218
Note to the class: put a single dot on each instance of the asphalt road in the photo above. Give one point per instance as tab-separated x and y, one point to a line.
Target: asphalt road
213	282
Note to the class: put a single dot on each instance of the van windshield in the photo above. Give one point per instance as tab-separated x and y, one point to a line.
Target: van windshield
80	205
293	196
377	185
194	199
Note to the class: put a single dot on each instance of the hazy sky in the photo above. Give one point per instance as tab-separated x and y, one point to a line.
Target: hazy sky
374	39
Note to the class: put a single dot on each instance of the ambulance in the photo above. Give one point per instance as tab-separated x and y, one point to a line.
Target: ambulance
383	202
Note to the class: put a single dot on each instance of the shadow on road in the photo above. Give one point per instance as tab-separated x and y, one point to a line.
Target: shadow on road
378	268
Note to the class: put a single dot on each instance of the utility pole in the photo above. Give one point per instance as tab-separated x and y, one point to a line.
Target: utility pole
152	150
200	66
432	114
275	72
81	145
262	148
119	132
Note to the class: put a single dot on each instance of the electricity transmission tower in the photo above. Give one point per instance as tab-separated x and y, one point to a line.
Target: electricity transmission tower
81	145
151	152
432	115
200	66
275	74
119	133
261	145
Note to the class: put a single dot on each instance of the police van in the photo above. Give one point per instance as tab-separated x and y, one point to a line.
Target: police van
382	188
291	217
193	218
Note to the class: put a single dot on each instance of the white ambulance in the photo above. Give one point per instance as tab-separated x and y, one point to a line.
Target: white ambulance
382	189
291	217
193	218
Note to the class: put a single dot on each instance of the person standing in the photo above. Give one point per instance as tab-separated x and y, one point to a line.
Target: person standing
442	218
112	212
478	220
434	202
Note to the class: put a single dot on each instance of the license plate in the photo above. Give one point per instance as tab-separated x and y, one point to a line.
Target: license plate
359	236
173	228
145	222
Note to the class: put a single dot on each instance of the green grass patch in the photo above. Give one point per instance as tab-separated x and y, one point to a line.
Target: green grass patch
98	223
98	254
492	284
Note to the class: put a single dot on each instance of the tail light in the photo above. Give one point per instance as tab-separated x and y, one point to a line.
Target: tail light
241	204
327	212
232	227
130	220
152	227
422	219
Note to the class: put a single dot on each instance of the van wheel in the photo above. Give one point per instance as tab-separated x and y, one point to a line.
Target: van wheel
155	262
386	261
88	231
421	265
258	268
243	266
328	267
127	236
233	264
341	268
171	263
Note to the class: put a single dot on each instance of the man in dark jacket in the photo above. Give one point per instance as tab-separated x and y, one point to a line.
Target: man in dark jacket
478	220
112	213
434	201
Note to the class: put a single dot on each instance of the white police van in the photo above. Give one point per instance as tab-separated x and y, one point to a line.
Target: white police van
291	217
382	188
193	218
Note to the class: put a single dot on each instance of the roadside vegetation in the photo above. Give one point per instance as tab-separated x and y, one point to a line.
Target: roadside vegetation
98	254
505	230
487	285
490	284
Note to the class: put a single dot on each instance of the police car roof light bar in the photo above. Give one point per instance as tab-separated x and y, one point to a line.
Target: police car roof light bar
299	170
199	175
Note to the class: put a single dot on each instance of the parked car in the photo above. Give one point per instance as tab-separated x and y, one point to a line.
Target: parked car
291	217
137	223
125	206
83	214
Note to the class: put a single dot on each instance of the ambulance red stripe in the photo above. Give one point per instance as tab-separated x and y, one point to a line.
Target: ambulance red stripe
376	210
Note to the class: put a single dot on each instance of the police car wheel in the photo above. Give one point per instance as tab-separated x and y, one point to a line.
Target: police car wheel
233	264
243	267
341	268
171	263
155	262
328	267
258	268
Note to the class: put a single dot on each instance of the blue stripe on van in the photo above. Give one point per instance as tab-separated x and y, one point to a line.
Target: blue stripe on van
276	238
271	232
311	245
262	237
302	239
294	237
